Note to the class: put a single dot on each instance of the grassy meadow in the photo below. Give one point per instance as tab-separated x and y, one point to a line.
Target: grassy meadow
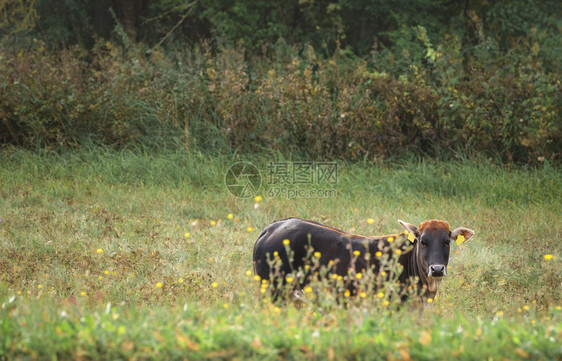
128	255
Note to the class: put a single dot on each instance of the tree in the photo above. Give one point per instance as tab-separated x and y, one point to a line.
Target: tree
16	16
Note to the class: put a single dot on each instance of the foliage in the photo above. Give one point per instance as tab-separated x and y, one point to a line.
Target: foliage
16	16
116	332
337	107
321	79
108	255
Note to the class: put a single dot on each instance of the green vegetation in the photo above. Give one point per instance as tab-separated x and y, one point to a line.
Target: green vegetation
483	79
119	119
107	254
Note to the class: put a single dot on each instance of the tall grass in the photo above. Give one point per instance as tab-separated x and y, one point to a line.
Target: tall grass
161	224
227	101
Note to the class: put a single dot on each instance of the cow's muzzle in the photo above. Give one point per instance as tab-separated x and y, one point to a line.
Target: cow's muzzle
437	271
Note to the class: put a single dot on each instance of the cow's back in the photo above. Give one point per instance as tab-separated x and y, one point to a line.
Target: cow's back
304	237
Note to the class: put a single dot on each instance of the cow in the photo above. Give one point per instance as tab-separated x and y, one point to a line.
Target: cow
423	253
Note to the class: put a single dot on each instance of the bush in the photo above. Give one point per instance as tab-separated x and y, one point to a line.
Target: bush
336	107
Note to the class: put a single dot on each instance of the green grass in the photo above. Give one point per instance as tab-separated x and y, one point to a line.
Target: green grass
61	299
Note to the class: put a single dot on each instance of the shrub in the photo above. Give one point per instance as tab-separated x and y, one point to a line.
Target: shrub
227	100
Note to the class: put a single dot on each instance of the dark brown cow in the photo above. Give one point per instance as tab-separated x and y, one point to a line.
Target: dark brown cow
424	251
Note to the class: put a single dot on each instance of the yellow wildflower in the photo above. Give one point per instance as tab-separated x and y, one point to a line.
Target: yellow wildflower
317	254
370	221
159	284
229	216
378	254
258	198
286	242
548	257
99	251
356	253
214	284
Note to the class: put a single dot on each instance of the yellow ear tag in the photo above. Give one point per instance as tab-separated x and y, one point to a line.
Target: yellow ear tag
460	239
411	237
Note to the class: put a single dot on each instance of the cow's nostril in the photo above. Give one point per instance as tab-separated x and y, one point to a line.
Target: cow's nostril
437	270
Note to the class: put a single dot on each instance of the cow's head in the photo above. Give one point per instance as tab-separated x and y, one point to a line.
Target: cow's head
433	240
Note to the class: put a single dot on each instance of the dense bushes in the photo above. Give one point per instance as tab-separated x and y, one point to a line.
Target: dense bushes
324	79
294	102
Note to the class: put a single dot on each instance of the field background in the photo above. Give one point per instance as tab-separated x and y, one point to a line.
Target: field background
96	263
119	239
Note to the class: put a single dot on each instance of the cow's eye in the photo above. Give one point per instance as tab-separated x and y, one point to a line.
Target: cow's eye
423	243
447	242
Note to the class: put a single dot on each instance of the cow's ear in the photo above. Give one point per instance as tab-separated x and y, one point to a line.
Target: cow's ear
461	235
410	228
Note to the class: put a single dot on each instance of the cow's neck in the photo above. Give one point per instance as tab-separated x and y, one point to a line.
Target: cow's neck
416	269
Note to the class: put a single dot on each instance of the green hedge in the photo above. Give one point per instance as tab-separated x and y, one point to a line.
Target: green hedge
297	102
